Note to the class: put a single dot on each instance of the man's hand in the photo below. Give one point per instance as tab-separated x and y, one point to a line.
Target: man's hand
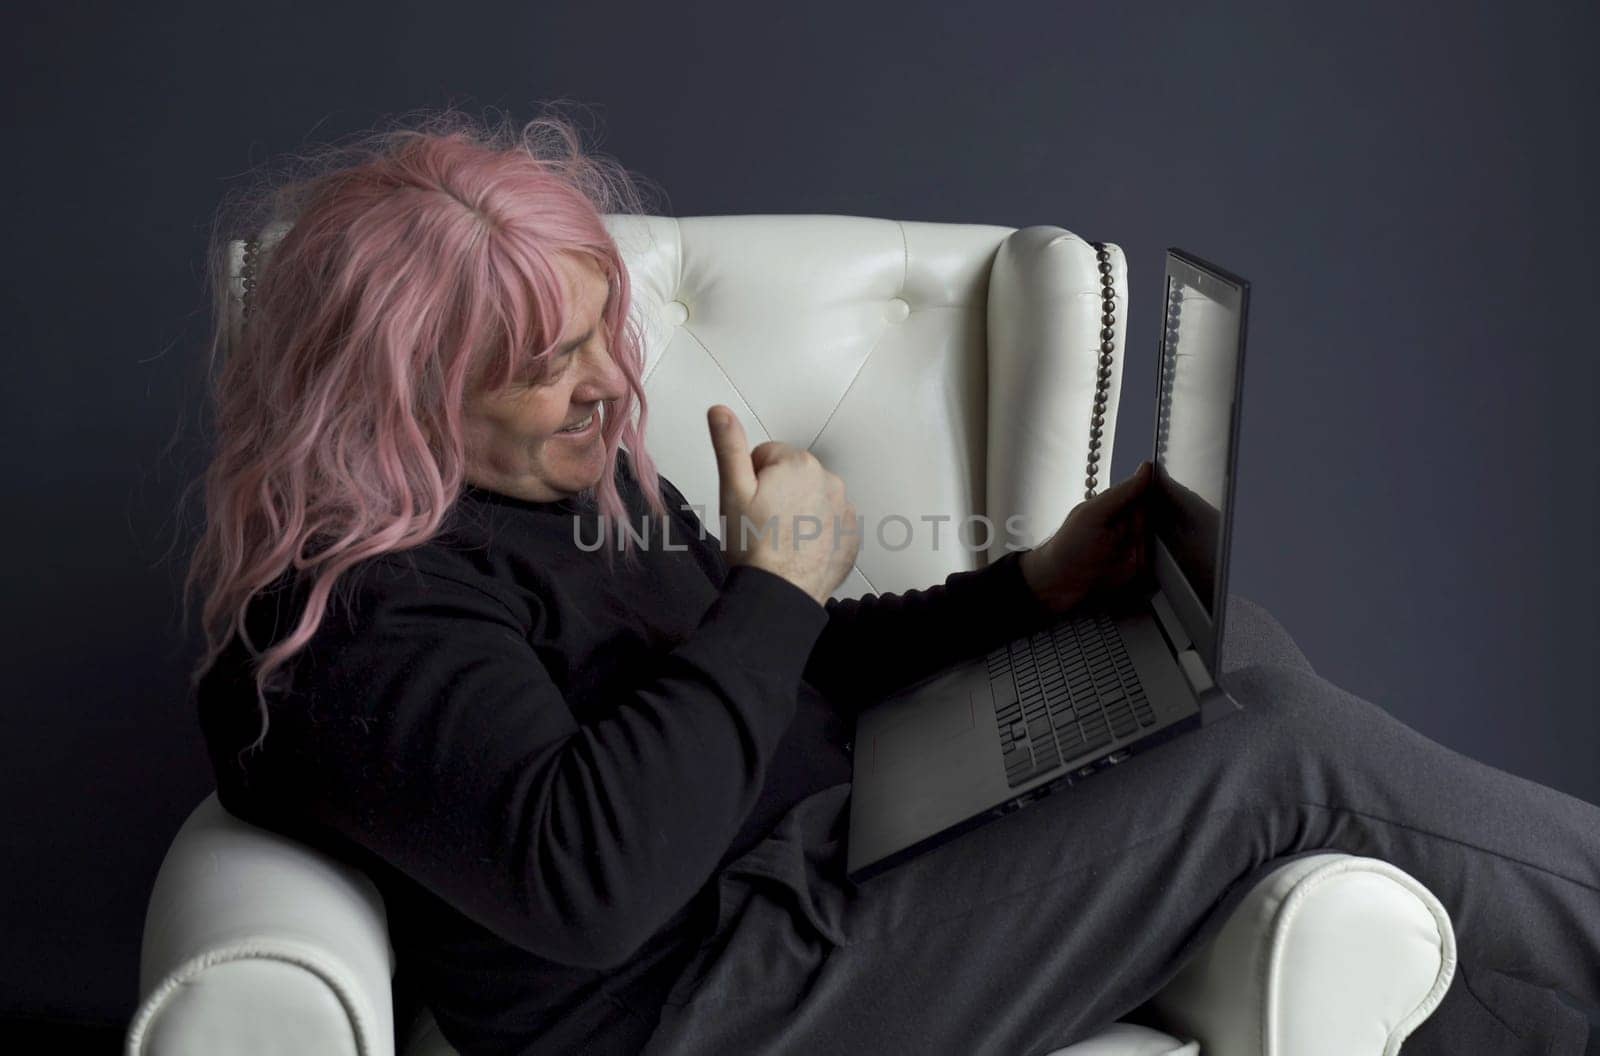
1098	548
773	487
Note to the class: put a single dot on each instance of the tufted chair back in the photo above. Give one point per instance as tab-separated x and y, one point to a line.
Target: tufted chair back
944	371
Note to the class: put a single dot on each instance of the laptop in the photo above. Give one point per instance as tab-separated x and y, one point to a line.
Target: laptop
1114	676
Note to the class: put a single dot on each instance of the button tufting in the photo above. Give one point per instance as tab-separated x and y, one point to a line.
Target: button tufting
677	312
898	310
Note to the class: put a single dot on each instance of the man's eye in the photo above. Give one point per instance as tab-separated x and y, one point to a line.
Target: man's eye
535	375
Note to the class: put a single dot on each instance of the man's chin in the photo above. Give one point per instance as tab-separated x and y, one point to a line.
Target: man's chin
584	485
587	494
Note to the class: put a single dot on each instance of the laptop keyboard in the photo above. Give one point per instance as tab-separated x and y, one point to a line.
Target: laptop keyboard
1062	692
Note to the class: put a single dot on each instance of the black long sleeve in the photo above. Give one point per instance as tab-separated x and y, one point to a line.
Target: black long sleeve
877	643
544	762
451	753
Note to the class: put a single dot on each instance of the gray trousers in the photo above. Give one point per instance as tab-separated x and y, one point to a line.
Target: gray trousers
1040	928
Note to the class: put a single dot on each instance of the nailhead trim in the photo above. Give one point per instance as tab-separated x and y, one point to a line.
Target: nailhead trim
1108	349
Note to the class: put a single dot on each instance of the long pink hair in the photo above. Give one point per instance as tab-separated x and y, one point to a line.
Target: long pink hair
419	262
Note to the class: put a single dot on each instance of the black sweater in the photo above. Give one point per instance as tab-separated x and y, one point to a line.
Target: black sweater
543	765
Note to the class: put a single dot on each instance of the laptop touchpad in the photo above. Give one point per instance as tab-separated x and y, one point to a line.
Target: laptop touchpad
936	721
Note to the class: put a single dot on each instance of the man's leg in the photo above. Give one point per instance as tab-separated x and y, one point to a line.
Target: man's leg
1251	635
1041	927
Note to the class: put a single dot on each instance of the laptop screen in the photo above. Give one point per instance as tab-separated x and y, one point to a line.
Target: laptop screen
1200	385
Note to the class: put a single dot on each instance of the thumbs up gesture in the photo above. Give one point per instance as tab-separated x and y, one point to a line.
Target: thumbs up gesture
784	511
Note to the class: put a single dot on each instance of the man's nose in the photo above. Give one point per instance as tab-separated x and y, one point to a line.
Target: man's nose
602	378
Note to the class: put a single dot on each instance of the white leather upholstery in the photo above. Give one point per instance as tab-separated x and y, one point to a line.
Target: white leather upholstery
1343	954
941	370
1125	1039
257	944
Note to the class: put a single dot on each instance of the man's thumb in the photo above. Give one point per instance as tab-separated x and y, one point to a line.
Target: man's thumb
734	469
1128	489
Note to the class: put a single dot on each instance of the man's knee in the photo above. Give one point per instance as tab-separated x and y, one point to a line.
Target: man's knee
1252	635
1292	712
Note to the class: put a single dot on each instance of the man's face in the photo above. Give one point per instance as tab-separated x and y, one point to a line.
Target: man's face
513	440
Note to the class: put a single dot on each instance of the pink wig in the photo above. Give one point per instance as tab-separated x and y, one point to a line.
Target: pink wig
418	264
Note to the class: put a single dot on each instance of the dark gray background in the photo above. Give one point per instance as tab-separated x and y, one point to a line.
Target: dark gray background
1407	186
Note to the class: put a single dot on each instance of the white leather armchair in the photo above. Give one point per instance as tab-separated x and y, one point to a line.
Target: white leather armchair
940	369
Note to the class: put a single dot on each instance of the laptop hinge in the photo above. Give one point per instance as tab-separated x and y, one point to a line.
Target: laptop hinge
1177	637
1194	669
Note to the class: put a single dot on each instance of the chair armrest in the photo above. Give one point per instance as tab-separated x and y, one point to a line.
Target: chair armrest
1045	334
1331	953
256	944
